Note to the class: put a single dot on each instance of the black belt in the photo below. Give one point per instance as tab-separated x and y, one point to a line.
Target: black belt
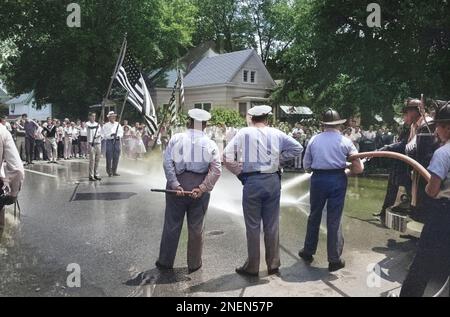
333	171
259	173
118	139
197	173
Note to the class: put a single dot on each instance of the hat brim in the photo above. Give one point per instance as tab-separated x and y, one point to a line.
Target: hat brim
439	121
334	122
261	115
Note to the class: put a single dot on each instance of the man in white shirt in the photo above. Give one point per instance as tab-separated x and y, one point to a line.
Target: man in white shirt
371	134
94	139
12	172
264	150
112	132
67	139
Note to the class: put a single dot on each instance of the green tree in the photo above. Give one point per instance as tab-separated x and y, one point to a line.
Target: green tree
338	60
224	22
71	67
272	25
229	117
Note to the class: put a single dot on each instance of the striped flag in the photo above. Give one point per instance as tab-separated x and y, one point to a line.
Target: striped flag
130	78
181	80
173	109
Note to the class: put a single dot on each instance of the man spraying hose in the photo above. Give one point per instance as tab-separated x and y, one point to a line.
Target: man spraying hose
326	156
433	254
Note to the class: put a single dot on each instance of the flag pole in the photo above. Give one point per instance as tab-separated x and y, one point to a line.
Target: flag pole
120	117
160	128
113	77
163	120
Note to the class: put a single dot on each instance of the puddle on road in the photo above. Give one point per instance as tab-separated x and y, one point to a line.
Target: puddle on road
7	232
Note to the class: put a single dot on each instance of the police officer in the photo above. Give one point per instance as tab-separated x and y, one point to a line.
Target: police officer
433	254
94	138
112	132
192	164
326	156
421	145
262	150
12	173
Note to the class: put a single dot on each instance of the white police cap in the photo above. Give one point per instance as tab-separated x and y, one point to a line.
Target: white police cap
199	115
259	111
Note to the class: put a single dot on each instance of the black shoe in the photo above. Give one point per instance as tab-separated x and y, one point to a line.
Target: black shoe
109	175
273	271
191	271
333	267
116	175
92	179
163	267
244	272
308	258
98	178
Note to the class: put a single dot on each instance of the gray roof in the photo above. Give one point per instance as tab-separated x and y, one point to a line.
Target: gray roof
22	99
218	69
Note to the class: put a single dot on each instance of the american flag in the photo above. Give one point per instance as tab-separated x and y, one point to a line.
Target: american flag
181	80
132	80
173	109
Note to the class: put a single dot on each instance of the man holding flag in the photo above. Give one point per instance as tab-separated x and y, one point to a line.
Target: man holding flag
113	133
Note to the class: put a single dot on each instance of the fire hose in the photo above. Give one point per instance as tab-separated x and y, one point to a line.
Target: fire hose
397	156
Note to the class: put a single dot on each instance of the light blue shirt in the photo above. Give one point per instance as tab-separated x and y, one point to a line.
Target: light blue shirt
192	151
328	151
440	166
260	150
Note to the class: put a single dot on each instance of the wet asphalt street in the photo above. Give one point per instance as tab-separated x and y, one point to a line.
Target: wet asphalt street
112	230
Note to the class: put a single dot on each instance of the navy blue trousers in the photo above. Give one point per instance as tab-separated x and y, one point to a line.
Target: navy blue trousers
327	188
261	203
112	156
433	253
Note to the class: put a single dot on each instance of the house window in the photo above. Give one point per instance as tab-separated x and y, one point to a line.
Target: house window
245	76
253	77
204	106
243	109
249	76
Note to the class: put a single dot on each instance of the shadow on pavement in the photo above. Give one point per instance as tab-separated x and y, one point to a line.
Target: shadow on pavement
230	282
399	256
116	184
375	222
103	196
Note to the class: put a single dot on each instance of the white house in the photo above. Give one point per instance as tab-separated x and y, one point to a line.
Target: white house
26	104
237	80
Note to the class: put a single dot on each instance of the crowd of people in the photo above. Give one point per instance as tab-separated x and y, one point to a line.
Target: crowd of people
365	140
54	139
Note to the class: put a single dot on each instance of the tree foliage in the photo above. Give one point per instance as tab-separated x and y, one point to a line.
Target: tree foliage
229	117
338	60
71	67
324	50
